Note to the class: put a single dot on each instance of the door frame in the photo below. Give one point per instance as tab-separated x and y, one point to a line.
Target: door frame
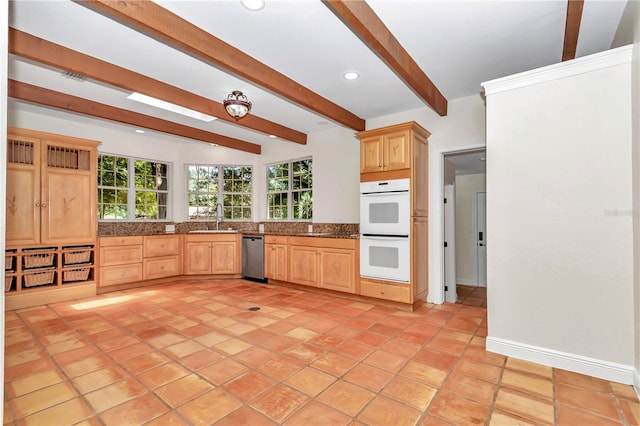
451	295
475	233
436	216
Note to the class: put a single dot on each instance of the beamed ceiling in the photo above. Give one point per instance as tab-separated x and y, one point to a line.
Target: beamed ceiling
287	58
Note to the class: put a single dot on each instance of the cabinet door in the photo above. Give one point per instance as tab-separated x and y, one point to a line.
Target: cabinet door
396	151
338	270
68	207
371	152
23	191
276	261
197	259
303	265
224	259
160	267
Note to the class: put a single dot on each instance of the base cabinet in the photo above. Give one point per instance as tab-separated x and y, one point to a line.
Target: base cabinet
328	263
161	256
120	260
275	257
212	254
387	291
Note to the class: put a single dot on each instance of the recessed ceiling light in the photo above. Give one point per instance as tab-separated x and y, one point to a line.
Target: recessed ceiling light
351	75
168	106
272	136
139	131
253	4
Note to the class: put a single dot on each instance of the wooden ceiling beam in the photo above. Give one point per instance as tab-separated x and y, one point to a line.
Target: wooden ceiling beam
48	53
151	19
39	95
364	22
572	29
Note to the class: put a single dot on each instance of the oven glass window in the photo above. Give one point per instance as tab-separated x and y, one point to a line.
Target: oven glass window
383	212
383	257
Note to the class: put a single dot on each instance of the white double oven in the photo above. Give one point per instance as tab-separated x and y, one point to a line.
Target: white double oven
385	213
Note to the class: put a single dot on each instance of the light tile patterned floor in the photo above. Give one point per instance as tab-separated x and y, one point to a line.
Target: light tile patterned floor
194	353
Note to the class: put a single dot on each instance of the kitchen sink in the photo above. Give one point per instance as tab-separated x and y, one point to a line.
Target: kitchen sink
214	231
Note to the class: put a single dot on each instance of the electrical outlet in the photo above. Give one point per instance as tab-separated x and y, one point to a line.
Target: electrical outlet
169	228
310	228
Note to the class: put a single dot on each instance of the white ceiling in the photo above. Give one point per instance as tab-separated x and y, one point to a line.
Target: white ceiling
458	44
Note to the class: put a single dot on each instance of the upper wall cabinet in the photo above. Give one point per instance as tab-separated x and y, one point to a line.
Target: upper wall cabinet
393	152
51	189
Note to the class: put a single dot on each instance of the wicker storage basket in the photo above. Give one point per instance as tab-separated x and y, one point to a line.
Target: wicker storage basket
8	262
8	281
39	278
38	260
76	256
80	274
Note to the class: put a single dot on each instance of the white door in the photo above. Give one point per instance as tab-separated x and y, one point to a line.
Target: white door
451	295
481	238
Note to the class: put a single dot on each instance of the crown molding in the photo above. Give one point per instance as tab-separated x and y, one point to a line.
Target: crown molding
595	62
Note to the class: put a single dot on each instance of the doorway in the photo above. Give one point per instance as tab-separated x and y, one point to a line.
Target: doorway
464	232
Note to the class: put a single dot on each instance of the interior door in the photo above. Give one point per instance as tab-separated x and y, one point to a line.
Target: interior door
481	238
451	295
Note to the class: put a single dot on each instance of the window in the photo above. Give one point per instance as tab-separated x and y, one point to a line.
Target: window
229	186
131	188
289	194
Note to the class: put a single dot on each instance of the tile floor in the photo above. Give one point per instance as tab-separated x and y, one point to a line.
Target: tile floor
195	353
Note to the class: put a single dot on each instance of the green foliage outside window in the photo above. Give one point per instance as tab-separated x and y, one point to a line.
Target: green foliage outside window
122	178
290	190
208	186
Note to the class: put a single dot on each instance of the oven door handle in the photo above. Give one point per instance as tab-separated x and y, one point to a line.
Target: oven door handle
385	237
381	194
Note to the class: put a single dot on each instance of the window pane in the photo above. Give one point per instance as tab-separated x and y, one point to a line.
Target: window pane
302	205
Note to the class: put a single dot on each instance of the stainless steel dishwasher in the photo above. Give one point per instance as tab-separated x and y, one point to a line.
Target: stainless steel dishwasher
253	257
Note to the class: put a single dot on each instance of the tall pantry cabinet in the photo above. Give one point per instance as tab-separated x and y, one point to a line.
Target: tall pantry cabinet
51	218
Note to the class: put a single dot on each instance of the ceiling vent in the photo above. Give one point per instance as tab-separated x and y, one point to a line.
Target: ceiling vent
74	76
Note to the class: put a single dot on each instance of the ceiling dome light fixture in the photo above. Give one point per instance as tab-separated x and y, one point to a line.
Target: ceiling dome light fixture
237	104
253	4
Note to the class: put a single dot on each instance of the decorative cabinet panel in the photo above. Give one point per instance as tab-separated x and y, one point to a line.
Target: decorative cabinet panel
385	152
51	189
211	254
275	257
329	263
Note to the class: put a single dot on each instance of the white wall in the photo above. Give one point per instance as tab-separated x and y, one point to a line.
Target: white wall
466	188
336	158
560	278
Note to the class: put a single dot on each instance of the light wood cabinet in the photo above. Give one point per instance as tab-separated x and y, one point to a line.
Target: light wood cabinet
398	152
120	260
275	257
329	263
385	151
50	218
211	254
161	256
51	189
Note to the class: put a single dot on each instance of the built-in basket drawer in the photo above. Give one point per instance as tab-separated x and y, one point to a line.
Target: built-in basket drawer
120	255
120	274
160	267
396	293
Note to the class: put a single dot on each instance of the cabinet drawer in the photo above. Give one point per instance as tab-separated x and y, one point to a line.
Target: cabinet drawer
161	245
120	274
161	267
275	239
120	241
120	255
396	293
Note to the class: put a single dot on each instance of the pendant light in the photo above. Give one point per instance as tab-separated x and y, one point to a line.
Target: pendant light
237	104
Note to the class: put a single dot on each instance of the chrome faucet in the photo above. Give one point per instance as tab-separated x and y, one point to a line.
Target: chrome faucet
218	215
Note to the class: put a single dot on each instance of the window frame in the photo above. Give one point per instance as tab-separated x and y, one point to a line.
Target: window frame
290	191
131	189
221	192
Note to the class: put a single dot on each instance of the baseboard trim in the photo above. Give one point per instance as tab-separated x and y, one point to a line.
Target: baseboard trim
465	281
577	363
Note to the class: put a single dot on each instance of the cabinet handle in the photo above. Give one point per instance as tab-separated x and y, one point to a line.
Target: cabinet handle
122	274
381	291
37	204
44	205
